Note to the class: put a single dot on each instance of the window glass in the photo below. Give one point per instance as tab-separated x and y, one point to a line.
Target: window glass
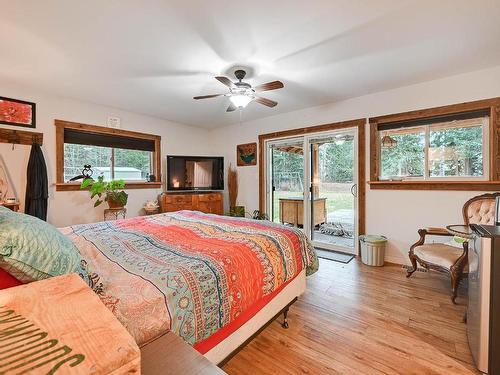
76	156
456	151
118	164
405	156
132	165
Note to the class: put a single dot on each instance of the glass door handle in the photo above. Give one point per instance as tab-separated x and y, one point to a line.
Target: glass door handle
354	190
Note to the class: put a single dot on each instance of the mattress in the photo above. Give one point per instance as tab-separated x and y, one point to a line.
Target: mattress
202	276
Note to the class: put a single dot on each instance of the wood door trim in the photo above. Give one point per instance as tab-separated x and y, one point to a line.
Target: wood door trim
360	124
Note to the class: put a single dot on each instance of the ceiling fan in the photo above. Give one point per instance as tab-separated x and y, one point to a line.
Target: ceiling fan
241	93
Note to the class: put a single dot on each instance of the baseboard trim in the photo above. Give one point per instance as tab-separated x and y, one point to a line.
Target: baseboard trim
395	260
419	269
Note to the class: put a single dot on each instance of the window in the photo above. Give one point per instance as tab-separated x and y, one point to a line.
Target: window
454	150
405	157
112	163
454	147
112	153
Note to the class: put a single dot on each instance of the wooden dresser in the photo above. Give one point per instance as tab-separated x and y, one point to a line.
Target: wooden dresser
208	202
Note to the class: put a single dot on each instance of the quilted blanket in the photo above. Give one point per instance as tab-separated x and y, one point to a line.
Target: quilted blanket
188	272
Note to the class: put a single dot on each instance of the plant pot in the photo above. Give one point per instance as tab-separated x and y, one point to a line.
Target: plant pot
237	211
114	204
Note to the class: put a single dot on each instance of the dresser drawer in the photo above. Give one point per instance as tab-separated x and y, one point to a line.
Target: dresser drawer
172	207
209	197
177	199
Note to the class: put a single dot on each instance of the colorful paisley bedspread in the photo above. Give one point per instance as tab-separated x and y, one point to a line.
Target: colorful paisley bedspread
188	272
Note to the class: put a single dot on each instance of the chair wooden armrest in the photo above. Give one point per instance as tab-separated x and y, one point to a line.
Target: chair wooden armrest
423	232
434	231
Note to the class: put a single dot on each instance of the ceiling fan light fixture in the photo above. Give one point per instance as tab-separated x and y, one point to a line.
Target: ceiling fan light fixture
240	100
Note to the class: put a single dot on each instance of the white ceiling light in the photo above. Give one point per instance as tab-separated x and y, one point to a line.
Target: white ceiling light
240	100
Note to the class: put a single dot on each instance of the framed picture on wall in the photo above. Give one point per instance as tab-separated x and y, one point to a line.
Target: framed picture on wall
17	112
246	154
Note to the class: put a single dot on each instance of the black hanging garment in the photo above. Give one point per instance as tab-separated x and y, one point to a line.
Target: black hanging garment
36	185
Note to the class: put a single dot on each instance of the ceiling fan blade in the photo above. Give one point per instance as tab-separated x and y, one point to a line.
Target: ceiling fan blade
267	102
231	108
225	81
207	96
274	85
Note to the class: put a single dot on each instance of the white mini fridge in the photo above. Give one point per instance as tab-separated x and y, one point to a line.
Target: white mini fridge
483	310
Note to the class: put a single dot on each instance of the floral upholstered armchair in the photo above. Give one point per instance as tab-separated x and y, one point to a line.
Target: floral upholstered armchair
445	257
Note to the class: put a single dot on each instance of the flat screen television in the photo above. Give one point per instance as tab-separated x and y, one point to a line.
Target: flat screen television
195	173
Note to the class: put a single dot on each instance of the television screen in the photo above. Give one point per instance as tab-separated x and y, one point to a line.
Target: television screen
195	173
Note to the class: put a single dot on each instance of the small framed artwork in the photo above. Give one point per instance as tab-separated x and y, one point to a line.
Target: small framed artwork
246	154
17	112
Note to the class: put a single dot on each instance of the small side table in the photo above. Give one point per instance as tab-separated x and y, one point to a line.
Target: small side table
115	213
460	230
12	206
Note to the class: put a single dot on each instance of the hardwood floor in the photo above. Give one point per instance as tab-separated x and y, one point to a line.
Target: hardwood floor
356	319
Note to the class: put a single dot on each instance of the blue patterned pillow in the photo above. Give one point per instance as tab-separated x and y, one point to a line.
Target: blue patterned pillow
31	249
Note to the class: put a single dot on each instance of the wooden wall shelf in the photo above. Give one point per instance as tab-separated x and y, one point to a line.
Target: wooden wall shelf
20	137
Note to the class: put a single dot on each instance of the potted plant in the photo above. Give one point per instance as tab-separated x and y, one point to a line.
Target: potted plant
112	191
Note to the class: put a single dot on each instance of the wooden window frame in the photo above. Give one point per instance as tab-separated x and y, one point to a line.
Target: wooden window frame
491	184
61	125
360	124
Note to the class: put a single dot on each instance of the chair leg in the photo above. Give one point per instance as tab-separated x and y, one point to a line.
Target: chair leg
457	271
413	261
455	282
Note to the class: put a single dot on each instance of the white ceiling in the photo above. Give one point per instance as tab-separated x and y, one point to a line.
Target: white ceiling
152	56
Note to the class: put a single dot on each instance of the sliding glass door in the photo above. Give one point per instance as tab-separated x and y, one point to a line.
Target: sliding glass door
333	181
286	182
311	183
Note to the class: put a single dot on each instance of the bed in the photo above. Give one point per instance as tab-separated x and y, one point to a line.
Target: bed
213	280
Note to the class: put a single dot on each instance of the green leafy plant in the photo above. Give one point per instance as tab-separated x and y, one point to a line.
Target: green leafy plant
112	191
257	215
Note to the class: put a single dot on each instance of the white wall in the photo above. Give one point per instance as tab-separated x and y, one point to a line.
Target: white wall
396	214
72	207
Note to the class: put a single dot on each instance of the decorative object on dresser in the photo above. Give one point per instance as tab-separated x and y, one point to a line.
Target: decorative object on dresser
151	207
114	195
246	154
61	326
207	202
451	257
17	112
